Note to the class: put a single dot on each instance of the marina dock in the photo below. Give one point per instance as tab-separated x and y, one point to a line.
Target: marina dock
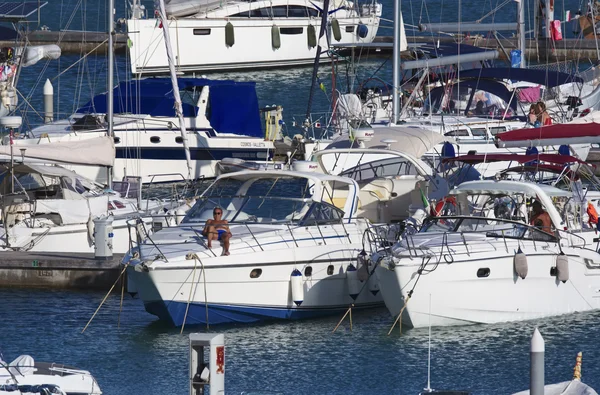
80	42
58	270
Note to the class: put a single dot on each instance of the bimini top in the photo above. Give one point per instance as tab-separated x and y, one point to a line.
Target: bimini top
541	77
543	193
511	157
509	187
233	106
582	130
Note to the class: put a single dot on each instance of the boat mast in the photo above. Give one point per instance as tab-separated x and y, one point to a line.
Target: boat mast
109	94
521	33
324	17
178	108
396	61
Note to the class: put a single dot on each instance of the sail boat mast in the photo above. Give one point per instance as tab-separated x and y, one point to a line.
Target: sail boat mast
110	83
396	60
521	33
178	108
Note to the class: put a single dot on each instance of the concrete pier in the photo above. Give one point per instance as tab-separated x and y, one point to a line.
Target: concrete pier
57	270
80	42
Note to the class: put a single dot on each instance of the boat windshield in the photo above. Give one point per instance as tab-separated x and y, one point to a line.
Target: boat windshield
491	227
263	200
389	167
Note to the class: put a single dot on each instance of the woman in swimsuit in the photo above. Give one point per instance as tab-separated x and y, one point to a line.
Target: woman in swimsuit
218	229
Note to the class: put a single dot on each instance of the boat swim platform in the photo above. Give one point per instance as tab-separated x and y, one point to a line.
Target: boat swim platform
58	270
543	50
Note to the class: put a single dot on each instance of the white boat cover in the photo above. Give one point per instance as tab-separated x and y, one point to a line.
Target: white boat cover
97	151
411	141
182	8
22	365
574	387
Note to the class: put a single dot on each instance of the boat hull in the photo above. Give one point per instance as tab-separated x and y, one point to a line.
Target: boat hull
193	38
253	284
483	288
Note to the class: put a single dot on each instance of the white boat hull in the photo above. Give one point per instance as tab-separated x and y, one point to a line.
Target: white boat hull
179	291
454	294
253	47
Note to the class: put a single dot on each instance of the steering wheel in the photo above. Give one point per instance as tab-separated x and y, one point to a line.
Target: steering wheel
384	88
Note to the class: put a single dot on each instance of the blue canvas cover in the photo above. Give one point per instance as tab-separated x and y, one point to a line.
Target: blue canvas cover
233	106
541	77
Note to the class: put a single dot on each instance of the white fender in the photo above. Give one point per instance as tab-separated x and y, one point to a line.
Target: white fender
353	282
297	287
562	268
520	264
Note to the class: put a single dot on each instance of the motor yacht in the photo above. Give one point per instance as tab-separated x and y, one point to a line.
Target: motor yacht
490	260
216	35
294	252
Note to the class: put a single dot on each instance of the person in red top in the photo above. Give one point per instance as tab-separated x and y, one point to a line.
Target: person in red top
540	218
543	115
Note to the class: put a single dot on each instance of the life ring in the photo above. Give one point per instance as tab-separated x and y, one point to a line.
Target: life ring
440	205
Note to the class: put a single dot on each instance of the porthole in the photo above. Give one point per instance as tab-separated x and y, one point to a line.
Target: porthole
179	140
255	273
117	140
329	270
155	139
308	271
483	272
349	29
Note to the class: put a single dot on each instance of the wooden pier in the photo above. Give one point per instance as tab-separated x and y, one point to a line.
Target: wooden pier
58	270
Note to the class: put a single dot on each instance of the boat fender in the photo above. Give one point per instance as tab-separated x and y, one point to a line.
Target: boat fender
275	37
297	287
362	264
373	283
353	282
170	218
520	264
562	267
311	35
179	215
229	35
335	27
362	30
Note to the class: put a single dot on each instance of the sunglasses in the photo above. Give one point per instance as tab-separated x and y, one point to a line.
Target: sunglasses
217	213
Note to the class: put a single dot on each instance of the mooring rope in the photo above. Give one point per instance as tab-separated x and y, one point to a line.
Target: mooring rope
106	297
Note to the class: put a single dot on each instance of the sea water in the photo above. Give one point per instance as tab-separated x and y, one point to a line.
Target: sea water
130	352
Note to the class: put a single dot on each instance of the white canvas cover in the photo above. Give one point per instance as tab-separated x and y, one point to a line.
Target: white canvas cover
22	365
574	387
97	151
74	211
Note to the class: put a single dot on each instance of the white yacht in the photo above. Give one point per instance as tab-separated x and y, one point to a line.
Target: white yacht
293	253
220	35
24	375
48	208
487	264
222	119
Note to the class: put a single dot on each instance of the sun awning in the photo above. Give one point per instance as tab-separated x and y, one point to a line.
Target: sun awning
96	151
585	130
509	157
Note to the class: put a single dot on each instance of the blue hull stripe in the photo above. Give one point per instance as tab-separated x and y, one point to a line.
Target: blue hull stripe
178	153
174	312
